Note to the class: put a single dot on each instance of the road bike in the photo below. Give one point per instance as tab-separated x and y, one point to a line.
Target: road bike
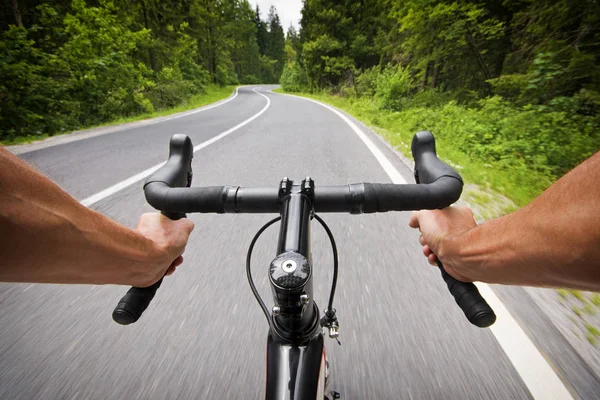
297	366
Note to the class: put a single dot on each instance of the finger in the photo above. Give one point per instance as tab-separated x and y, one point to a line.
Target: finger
427	251
187	224
177	262
171	270
413	222
432	259
422	240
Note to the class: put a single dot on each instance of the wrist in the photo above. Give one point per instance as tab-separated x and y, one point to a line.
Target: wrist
147	266
130	258
460	258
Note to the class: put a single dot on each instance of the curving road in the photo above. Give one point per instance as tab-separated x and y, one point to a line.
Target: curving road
203	337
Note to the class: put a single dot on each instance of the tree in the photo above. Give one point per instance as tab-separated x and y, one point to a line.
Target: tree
293	40
261	32
75	63
17	13
276	42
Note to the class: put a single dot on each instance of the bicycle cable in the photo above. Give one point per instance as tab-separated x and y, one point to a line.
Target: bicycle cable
335	263
249	271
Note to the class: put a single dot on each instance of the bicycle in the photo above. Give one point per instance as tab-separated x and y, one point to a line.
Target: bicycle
296	359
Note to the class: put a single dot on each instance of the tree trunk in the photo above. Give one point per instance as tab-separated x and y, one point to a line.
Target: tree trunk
435	75
426	76
147	26
15	7
478	57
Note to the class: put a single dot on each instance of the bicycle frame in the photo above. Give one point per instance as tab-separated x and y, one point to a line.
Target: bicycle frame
296	362
295	350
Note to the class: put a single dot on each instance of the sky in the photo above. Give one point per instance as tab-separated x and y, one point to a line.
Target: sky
288	10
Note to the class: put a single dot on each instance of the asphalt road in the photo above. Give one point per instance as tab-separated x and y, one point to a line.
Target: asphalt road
203	336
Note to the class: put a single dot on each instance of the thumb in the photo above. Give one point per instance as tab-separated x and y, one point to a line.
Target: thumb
413	222
186	225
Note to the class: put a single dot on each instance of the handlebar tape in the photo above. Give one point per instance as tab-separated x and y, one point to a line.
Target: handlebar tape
177	172
382	197
440	185
430	169
131	306
134	303
470	301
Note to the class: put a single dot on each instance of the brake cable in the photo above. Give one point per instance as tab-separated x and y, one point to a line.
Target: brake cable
330	311
335	264
249	272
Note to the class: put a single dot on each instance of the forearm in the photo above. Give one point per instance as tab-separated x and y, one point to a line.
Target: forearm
50	237
554	241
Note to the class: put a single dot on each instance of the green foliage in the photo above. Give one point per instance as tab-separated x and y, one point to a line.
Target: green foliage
439	37
75	63
90	78
592	334
392	85
325	63
515	150
267	69
170	88
512	89
97	56
546	143
293	78
29	96
275	43
366	82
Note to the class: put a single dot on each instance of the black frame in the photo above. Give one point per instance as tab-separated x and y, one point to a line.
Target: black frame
295	342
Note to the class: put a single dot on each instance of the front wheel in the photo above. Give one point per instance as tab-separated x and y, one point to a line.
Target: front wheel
329	394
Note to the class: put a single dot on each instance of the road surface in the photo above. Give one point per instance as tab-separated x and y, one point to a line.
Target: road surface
203	336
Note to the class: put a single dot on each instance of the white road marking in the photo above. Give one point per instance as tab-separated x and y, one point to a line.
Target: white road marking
383	161
138	177
217	104
539	377
77	136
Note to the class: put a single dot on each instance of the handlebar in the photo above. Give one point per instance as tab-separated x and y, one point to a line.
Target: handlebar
438	186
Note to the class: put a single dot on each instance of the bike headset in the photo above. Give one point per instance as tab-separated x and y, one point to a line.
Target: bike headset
168	190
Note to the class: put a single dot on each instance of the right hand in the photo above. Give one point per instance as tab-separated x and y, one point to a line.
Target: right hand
440	234
168	239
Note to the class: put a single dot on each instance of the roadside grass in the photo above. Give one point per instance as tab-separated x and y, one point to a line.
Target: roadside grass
211	94
490	181
585	306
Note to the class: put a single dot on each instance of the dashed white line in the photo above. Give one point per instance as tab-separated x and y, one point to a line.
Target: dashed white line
138	177
539	377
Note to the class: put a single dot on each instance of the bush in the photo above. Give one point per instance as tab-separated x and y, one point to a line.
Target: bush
32	102
365	82
429	98
546	143
392	86
170	89
293	78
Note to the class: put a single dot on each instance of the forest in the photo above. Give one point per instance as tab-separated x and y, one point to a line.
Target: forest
511	85
505	85
69	64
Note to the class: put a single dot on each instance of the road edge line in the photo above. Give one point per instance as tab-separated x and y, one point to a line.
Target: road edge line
138	177
76	136
535	371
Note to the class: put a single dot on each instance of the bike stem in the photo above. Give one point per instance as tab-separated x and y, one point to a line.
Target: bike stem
295	316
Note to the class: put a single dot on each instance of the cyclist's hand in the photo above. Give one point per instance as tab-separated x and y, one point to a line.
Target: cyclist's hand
438	229
168	239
